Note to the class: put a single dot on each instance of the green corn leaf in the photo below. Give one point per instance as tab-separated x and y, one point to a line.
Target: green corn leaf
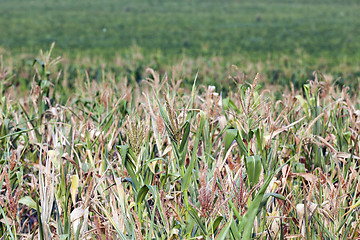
195	216
224	232
185	137
307	93
235	210
228	103
142	193
129	165
274	195
230	136
266	198
184	144
348	227
186	178
253	168
304	104
344	221
130	168
241	144
123	149
234	230
247	222
28	201
17	133
216	223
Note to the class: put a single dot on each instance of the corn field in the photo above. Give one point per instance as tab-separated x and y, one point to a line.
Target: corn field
160	160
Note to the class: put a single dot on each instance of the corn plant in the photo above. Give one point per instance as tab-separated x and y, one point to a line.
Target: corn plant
156	159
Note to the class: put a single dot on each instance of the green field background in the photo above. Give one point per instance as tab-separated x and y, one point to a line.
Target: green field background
299	35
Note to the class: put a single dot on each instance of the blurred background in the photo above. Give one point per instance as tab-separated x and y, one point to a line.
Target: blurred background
286	40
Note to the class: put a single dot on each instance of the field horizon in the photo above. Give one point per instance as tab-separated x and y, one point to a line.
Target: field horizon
195	28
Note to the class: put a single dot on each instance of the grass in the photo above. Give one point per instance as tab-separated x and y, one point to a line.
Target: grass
107	159
253	29
133	66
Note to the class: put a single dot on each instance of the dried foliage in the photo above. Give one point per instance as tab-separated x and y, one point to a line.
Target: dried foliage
153	160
